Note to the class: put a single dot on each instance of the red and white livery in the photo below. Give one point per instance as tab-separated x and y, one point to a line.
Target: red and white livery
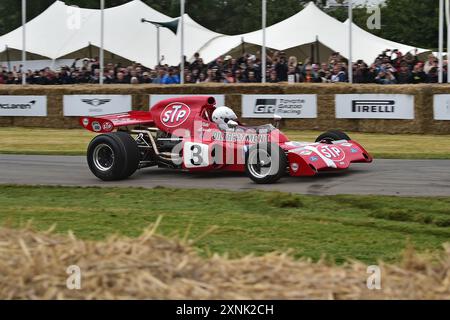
179	133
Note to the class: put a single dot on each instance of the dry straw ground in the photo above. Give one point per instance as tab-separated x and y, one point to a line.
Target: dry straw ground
33	265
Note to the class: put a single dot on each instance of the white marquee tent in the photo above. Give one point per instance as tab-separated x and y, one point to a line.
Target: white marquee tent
54	35
302	30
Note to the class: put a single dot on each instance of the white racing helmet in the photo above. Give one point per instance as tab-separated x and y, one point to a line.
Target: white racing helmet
222	115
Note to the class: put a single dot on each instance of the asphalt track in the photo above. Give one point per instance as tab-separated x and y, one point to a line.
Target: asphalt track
382	177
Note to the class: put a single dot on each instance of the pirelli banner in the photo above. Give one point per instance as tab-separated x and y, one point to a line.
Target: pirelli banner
374	106
95	105
293	106
23	106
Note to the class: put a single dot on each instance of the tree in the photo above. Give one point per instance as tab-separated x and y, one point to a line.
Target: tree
410	22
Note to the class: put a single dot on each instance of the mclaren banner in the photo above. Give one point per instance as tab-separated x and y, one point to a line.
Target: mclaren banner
441	107
374	106
95	105
23	106
293	106
155	98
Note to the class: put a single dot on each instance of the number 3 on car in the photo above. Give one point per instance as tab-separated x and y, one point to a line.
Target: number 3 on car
195	155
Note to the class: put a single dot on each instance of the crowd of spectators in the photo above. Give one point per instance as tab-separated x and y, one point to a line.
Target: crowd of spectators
390	67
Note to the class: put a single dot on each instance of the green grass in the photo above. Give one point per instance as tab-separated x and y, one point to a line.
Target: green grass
44	141
367	228
75	141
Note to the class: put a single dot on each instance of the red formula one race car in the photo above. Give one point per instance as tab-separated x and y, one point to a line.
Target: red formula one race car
191	134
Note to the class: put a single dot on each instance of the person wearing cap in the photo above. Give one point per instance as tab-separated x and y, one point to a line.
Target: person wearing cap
146	77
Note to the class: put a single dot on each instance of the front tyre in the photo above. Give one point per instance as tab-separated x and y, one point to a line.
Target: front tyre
265	164
333	135
113	156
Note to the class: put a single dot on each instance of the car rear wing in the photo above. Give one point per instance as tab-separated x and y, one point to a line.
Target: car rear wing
107	123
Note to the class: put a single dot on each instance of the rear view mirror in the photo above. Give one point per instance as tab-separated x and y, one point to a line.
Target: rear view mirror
277	120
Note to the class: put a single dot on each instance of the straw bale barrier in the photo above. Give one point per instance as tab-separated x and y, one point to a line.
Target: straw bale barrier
33	266
423	96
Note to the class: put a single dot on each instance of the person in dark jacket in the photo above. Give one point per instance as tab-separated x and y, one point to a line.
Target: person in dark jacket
404	76
418	75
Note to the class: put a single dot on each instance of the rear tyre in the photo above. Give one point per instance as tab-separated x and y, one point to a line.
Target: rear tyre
265	163
333	135
113	156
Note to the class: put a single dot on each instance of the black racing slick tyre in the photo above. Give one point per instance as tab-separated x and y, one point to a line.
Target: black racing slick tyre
333	135
265	163
113	156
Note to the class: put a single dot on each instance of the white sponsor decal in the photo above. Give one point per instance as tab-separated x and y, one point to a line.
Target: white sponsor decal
195	155
95	105
306	153
374	106
23	106
441	106
330	163
240	137
175	114
293	106
155	98
332	152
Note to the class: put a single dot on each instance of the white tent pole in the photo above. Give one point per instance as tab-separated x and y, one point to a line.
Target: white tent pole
158	52
102	39
24	41
350	40
8	58
441	40
447	14
263	53
182	41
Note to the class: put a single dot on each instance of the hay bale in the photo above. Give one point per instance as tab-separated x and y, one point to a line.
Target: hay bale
423	93
33	266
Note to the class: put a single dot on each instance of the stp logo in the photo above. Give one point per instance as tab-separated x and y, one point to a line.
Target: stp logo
332	152
175	114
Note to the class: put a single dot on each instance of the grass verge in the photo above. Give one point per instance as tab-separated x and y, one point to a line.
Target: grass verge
366	228
75	141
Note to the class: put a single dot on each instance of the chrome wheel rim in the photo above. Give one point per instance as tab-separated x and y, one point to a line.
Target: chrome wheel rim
260	163
103	157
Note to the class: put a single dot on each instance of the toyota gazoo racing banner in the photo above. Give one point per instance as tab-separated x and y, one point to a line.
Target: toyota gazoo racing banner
23	106
441	106
374	106
95	105
155	98
294	106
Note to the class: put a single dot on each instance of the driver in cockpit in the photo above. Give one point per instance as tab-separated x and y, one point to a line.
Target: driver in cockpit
225	118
